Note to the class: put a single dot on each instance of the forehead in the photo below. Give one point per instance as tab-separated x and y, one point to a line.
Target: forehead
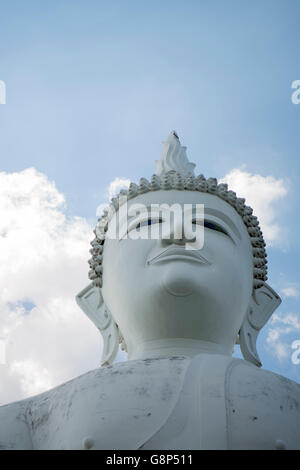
214	206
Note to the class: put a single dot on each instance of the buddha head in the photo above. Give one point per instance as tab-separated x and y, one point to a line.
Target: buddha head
178	260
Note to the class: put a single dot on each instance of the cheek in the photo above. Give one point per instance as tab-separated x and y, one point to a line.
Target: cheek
231	264
123	266
111	260
220	250
113	273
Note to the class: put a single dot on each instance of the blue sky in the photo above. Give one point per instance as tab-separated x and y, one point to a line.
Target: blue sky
93	88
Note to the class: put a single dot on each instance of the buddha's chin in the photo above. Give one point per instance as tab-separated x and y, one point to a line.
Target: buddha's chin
180	283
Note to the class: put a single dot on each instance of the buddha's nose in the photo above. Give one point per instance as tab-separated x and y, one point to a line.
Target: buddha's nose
178	233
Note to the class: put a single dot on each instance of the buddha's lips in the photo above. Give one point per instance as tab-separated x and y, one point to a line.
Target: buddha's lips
174	253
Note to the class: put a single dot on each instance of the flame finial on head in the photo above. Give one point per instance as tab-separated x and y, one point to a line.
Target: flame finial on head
174	158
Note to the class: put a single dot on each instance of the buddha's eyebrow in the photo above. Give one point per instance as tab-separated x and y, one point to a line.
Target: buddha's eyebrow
152	207
207	211
224	218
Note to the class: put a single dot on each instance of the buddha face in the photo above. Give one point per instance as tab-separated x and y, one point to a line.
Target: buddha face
155	288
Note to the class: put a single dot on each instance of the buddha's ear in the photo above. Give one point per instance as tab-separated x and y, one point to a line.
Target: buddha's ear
90	300
263	303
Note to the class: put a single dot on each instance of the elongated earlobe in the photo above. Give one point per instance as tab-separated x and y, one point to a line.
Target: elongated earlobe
263	303
90	300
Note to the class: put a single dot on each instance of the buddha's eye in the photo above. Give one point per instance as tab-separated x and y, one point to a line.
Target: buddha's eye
149	221
212	226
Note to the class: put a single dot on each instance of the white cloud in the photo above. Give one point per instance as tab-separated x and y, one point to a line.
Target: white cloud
113	190
289	319
277	347
261	193
291	291
43	265
33	377
116	185
278	342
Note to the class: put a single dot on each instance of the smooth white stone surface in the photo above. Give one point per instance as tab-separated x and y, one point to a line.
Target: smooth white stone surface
208	402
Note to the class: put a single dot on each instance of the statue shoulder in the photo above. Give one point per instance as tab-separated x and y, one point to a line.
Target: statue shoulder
14	430
263	407
116	406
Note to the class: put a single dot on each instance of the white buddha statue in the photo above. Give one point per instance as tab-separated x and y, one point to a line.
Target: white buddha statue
178	312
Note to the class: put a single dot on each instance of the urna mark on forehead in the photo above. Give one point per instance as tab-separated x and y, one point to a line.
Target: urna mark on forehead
175	172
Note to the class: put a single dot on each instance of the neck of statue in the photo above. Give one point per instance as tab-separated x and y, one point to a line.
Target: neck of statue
169	347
